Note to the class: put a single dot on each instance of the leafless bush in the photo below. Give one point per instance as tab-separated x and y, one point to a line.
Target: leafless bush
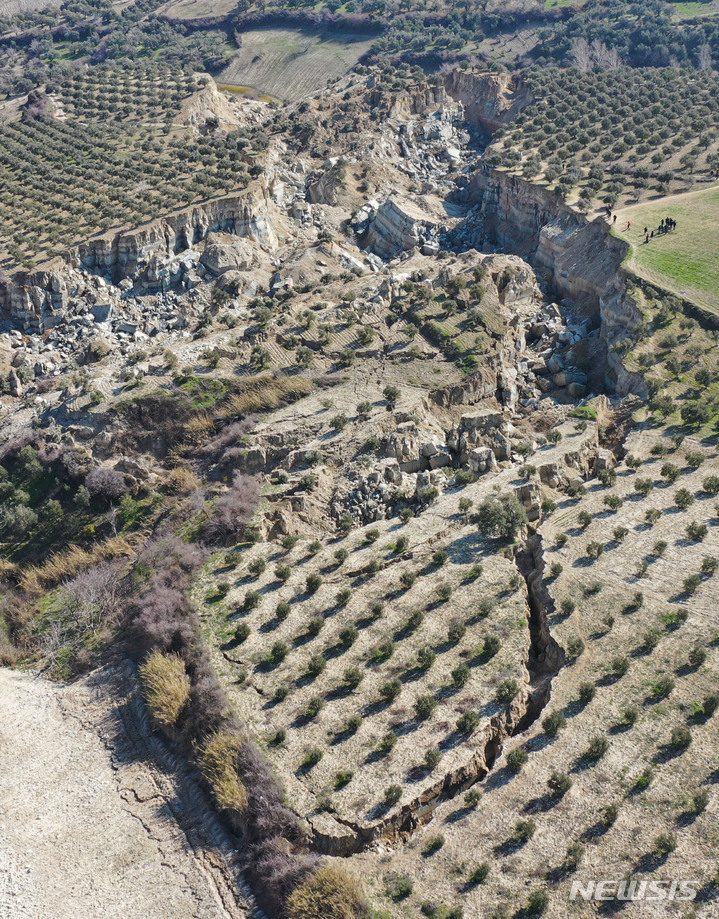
92	597
227	436
106	483
234	510
276	873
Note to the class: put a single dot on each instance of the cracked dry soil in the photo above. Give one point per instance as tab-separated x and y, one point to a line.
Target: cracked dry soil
96	820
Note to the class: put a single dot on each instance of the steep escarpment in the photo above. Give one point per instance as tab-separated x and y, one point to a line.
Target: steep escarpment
490	100
578	258
151	254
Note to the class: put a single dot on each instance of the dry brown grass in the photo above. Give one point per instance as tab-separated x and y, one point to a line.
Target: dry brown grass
264	393
64	565
219	767
9	571
198	429
182	481
165	686
331	893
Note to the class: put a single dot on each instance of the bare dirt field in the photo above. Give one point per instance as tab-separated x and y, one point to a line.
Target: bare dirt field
88	828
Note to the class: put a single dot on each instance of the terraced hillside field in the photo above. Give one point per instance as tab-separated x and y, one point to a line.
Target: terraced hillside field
290	64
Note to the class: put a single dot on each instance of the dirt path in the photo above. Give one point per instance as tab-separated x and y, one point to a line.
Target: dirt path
96	821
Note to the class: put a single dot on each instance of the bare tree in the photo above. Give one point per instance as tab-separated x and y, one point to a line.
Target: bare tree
580	54
705	58
605	58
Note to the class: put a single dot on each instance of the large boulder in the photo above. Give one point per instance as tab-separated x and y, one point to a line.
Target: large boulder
225	252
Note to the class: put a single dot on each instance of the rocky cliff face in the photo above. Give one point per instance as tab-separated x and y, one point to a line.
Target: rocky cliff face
490	100
151	254
578	257
128	253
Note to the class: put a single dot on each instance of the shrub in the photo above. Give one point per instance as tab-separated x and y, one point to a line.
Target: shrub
352	677
694	459
594	550
610	815
219	767
468	722
329	893
431	759
662	688
491	646
501	516
399	888
559	784
314	707
523	831
664	844
387	742
341	556
242	633
278	652
106	484
424	706
234	510
683	498
251	601
681	737
516	759
652	515
433	844
587	692
709	565
584	518
460	675
711	485
575	646
443	592
257	566
598	746
282	611
507	690
537	903
391	394
392	794
697	531
553	723
280	694
165	686
440	557
613	502
555	570
643	486
407	579
390	690
691	584
313	583
382	651
670	472
456	631
425	658
472	797
479	874
619	534
316	665
282	573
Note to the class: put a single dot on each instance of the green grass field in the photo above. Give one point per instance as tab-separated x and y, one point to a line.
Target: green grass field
685	261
